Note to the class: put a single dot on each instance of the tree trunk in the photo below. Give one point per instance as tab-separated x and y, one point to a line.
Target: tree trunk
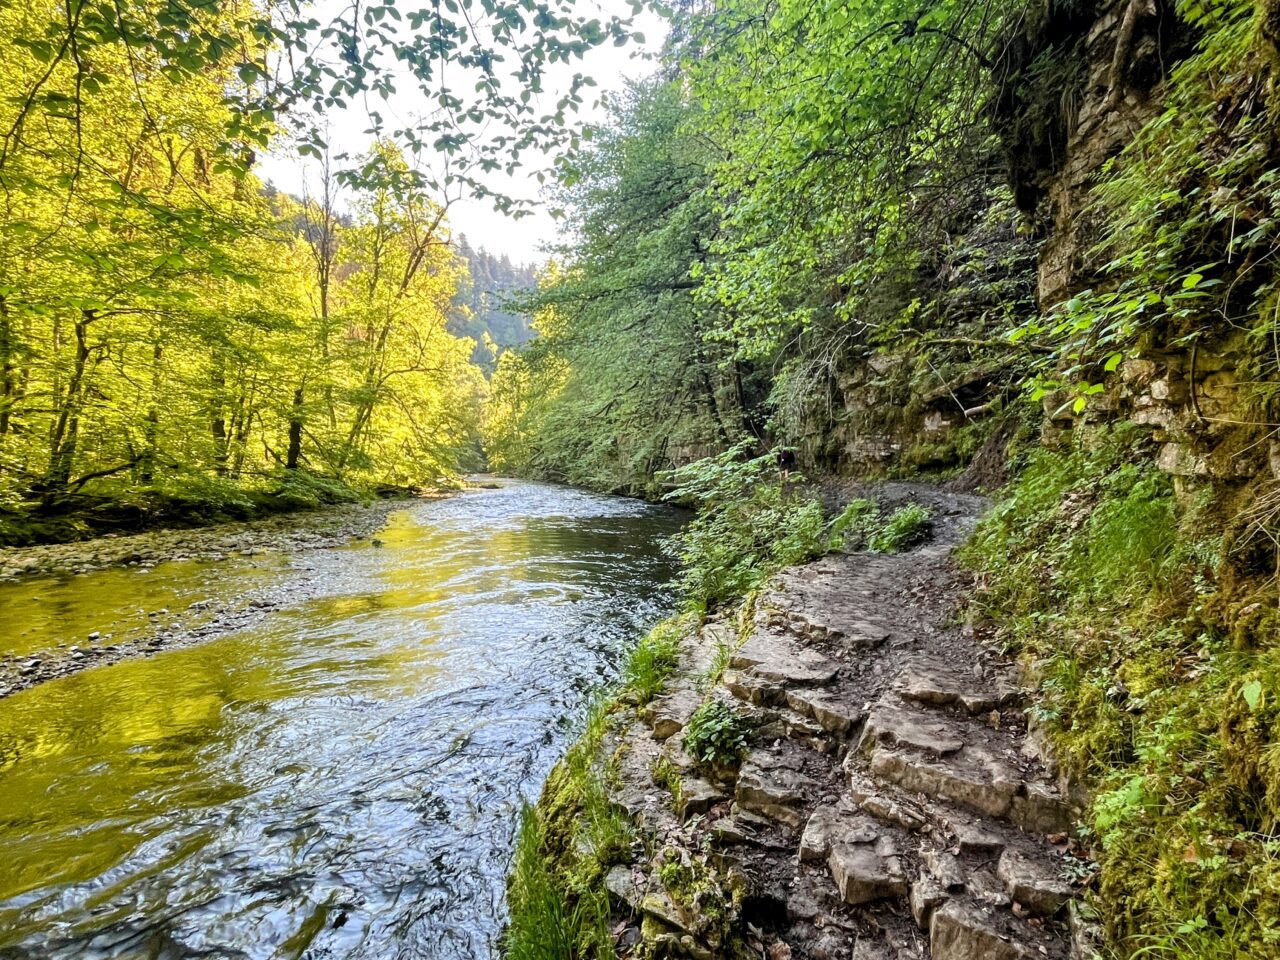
218	420
66	429
294	453
152	428
7	384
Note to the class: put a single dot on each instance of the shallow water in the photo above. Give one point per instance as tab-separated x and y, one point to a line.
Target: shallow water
341	779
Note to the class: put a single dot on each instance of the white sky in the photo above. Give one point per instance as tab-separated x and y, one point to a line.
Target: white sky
520	239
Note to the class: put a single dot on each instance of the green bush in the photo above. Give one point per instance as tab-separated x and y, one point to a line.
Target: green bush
856	522
749	525
906	527
717	734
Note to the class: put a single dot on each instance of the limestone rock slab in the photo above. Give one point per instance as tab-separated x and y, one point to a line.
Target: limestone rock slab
977	780
864	872
962	932
1033	883
774	791
896	726
943	686
835	714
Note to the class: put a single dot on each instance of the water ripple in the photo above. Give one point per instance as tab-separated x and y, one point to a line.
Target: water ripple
341	779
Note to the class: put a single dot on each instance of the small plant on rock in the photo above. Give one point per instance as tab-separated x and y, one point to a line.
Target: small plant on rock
907	526
651	661
854	523
717	734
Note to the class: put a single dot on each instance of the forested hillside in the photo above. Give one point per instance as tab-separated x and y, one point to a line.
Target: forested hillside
1023	248
484	309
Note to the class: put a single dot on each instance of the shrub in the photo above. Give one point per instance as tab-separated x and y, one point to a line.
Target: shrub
717	734
749	526
906	527
855	522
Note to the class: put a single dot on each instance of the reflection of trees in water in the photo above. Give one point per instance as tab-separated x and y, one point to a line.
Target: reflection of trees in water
389	717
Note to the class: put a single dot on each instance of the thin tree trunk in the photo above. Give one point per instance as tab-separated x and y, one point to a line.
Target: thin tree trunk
218	419
152	430
294	454
7	384
66	428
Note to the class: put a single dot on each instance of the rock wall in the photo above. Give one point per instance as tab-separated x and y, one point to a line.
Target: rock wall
1187	395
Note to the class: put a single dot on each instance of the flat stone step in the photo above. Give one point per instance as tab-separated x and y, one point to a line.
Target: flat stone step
773	790
785	723
972	778
668	715
829	600
1035	882
780	659
837	715
869	870
896	725
697	796
749	688
942	685
833	823
961	930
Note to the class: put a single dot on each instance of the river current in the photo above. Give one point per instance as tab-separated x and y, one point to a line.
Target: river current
341	779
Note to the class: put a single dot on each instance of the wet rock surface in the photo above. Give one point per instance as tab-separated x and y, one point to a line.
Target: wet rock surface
889	806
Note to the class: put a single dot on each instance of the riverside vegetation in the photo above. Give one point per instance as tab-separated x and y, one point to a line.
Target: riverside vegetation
1024	248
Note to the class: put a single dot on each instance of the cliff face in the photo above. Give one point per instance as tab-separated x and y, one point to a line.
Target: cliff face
1076	83
1079	85
1182	380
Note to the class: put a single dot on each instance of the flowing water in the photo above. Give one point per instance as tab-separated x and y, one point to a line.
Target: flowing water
339	779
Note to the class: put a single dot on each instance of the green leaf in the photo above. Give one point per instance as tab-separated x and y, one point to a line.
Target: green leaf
1252	693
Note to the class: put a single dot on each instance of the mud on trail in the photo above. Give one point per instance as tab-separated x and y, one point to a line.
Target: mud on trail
892	806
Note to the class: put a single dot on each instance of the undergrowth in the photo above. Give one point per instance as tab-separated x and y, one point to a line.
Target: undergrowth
1127	608
558	904
717	734
751	524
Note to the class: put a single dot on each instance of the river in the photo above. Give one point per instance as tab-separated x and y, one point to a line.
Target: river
342	776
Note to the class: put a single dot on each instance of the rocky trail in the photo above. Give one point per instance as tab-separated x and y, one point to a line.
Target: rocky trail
892	806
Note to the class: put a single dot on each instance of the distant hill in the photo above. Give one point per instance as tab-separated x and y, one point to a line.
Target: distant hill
479	307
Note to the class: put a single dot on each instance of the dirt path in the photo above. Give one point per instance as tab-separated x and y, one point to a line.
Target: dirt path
891	807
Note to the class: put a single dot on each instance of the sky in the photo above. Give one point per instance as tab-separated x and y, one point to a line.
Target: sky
520	239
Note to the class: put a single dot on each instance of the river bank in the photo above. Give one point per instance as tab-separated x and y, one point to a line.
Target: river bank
833	770
229	604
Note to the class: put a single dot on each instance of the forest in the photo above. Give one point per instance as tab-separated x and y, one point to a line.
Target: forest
1018	251
178	339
